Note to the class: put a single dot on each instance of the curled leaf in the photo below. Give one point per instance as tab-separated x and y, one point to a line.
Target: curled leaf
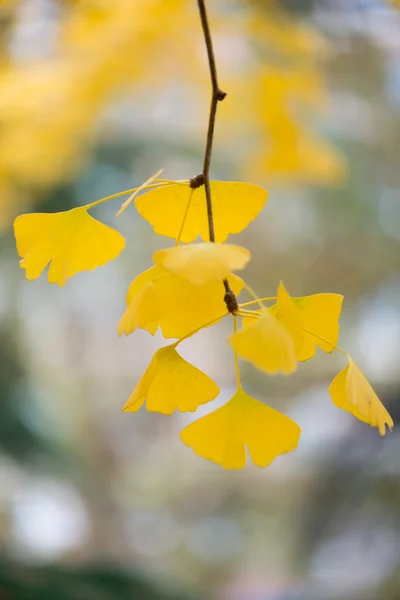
351	391
201	263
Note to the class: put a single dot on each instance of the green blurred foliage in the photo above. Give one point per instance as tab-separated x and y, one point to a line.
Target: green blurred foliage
96	582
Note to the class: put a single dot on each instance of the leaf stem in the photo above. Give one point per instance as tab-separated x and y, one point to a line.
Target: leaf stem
127	202
249	315
257	300
268	299
208	324
237	370
124	193
319	337
178	239
184	182
256	313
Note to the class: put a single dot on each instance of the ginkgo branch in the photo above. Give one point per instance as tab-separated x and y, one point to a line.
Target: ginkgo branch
217	96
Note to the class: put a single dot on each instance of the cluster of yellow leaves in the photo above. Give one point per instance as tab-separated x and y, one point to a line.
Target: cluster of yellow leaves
159	299
183	293
292	318
49	107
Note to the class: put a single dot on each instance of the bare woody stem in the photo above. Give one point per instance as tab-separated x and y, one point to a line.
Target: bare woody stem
217	96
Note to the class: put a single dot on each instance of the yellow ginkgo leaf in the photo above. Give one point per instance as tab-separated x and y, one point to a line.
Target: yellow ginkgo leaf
200	263
248	321
235	205
351	391
140	282
189	307
320	314
143	308
267	344
171	383
144	311
285	311
72	241
223	435
158	298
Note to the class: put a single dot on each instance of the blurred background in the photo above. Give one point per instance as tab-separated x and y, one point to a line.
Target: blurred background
95	96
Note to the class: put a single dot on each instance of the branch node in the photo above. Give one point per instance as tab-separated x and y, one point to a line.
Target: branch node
220	95
197	181
231	302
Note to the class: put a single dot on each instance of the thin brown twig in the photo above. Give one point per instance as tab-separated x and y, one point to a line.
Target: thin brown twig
217	96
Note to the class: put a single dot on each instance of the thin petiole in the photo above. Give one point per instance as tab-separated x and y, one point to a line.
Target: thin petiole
124	193
144	185
178	239
248	315
326	342
257	300
238	381
158	183
249	312
184	182
252	302
213	322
